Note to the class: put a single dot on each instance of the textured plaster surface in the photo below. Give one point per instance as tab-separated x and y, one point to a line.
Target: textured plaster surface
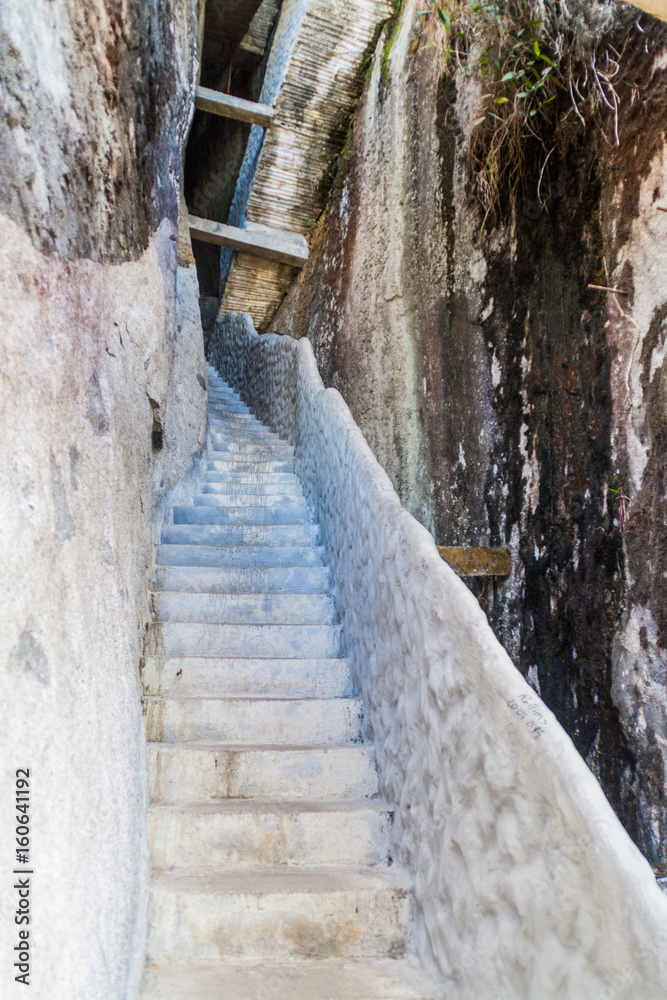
84	348
526	884
508	402
101	345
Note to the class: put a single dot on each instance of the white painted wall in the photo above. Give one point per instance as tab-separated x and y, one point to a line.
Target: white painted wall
527	886
83	346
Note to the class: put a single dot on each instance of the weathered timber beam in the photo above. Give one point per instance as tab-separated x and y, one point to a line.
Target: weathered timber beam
233	107
476	560
656	7
272	244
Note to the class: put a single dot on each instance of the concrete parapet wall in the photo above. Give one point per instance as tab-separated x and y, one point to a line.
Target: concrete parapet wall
527	887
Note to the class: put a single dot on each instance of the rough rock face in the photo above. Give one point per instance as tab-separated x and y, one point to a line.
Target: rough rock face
94	116
509	403
102	404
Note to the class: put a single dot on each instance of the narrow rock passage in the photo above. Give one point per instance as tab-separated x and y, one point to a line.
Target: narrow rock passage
269	844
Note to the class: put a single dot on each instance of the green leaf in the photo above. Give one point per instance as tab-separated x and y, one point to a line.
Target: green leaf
536	48
546	59
479	121
500	100
443	17
508	76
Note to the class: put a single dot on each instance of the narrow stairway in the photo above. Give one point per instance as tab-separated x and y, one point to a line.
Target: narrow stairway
269	845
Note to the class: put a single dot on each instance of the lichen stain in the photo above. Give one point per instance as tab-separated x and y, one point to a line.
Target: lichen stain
314	940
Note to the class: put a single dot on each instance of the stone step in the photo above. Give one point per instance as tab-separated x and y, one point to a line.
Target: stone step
242	446
242	515
241	534
256	427
200	772
321	913
221	488
248	834
244	420
263	462
250	609
228	437
221	451
253	580
224	451
254	433
211	677
223	406
226	422
219	429
238	415
251	478
239	555
254	466
293	501
218	392
329	722
244	426
200	639
383	979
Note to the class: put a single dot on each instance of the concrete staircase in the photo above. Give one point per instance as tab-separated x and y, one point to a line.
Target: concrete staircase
272	878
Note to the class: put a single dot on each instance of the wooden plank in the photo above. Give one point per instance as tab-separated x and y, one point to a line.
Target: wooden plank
656	7
271	244
233	107
476	560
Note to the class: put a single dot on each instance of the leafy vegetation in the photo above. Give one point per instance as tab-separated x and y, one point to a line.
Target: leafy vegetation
541	64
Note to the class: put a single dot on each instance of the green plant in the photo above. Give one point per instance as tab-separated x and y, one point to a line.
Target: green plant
622	500
525	53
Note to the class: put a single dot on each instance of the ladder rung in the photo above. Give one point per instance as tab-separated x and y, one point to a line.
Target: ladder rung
272	244
233	107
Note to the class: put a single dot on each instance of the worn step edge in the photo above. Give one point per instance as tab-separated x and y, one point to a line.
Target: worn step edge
237	677
207	772
251	833
382	979
325	721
